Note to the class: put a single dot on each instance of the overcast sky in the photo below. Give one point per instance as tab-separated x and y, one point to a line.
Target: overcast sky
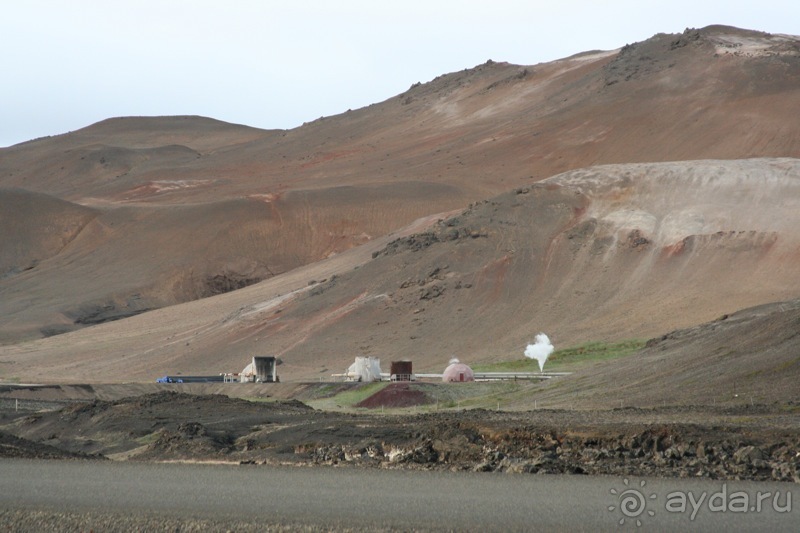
277	64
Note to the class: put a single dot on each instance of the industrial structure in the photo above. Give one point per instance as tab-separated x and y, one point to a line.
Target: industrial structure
457	371
262	369
364	369
368	369
401	371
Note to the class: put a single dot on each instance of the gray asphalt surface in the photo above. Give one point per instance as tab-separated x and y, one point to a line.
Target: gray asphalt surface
112	496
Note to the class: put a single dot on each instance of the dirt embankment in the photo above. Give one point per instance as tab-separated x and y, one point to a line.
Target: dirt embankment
752	442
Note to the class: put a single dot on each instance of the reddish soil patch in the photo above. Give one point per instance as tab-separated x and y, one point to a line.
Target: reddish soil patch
396	395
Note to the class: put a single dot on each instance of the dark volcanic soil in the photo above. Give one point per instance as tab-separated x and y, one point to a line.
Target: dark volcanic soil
749	442
12	446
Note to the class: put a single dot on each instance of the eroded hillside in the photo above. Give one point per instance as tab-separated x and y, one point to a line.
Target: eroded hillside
611	252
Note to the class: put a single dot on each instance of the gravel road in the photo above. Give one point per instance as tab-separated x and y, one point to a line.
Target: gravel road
114	496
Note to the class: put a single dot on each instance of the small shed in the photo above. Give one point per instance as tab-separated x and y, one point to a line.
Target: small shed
401	371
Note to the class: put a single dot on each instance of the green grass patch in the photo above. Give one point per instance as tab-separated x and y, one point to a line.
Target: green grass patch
326	390
568	358
790	408
350	397
474	394
150	438
787	365
261	399
596	351
518	365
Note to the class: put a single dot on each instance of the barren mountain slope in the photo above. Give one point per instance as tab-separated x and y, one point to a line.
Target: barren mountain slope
84	165
36	227
191	206
129	259
605	253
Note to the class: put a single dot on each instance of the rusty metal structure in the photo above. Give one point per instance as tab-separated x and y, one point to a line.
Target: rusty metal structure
401	371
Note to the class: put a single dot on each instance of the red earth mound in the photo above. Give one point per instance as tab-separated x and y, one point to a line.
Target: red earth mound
396	395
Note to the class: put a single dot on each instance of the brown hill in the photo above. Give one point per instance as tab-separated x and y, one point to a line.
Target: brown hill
715	93
718	92
128	259
604	253
186	207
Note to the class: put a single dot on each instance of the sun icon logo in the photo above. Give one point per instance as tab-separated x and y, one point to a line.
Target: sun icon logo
632	503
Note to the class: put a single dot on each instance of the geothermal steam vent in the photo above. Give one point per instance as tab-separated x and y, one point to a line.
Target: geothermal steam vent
540	350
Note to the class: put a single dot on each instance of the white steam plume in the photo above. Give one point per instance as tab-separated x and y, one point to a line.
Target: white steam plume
540	350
